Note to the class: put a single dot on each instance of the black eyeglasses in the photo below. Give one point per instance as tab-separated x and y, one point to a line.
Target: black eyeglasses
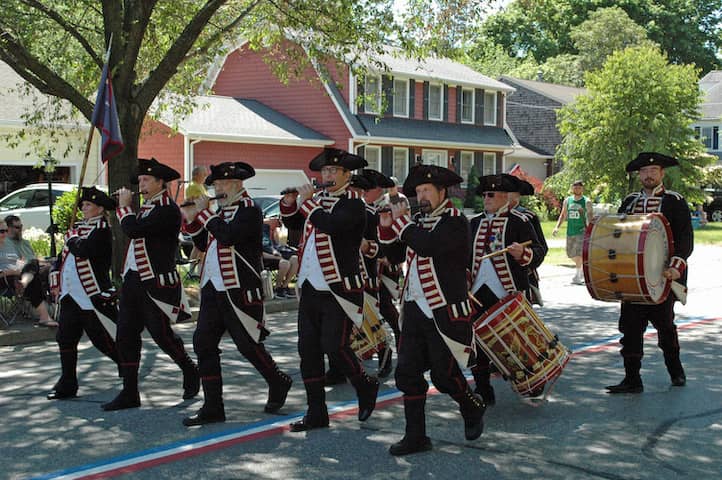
3	230
19	227
489	194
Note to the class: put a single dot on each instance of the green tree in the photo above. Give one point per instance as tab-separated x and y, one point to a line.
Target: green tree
637	102
603	33
689	31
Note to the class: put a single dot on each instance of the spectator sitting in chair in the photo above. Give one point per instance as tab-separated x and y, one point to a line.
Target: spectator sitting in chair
279	257
34	274
9	270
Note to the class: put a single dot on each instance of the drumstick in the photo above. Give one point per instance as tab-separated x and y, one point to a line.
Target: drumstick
680	291
503	250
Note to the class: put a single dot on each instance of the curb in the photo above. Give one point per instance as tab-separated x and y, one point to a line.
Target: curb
23	331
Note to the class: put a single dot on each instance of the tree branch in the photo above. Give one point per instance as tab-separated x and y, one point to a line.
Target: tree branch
202	49
57	18
40	76
168	66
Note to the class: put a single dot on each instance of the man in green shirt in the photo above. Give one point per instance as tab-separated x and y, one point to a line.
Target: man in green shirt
577	210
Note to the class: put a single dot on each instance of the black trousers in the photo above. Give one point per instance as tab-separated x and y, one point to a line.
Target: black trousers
633	322
487	299
324	328
421	348
136	312
215	318
73	321
388	311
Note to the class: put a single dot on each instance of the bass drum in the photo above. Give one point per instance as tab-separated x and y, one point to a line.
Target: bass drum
624	257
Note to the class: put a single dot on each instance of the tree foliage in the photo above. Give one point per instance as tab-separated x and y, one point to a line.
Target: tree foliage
637	102
688	31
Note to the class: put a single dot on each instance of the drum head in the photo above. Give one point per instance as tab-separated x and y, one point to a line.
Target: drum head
656	253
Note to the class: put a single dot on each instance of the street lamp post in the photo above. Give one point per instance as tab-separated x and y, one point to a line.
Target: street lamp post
49	163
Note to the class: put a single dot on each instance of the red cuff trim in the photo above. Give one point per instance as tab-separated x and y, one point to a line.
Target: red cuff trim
122	212
386	234
373	250
526	257
400	224
678	264
193	228
204	216
308	206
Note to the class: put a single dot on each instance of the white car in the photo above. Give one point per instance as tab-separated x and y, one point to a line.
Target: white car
30	203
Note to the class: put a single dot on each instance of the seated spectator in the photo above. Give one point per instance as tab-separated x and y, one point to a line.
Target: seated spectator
33	281
279	257
9	261
701	214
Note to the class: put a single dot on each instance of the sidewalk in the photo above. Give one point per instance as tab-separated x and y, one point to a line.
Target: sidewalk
25	331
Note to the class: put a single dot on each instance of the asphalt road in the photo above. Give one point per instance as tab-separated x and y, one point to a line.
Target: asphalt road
578	432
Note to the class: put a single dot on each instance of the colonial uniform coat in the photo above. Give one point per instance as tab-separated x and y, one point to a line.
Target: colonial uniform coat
635	317
87	300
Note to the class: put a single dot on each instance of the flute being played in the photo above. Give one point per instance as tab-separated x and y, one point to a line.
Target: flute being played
317	186
210	199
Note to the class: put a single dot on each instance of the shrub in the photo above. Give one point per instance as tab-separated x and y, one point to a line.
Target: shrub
63	209
40	241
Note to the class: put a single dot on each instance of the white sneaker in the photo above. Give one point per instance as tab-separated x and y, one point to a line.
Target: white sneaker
577	280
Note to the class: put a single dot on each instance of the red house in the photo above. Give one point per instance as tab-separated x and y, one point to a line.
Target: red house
435	112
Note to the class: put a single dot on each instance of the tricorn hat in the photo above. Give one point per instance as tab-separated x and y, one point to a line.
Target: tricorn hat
93	195
378	178
524	187
156	169
230	171
420	174
337	158
362	182
500	182
646	159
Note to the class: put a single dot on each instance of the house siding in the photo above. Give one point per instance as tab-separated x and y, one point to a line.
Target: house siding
531	124
246	75
162	143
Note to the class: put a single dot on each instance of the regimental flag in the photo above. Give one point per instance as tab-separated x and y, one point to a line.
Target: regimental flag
105	117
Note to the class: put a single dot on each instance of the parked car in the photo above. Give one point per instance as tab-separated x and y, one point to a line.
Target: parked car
30	203
269	205
714	208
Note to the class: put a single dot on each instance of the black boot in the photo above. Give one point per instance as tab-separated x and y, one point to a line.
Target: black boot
367	389
212	410
482	377
676	372
472	410
385	364
129	397
334	377
67	385
316	414
278	386
415	439
632	382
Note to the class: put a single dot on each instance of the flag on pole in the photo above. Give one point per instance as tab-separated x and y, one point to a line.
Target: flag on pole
105	116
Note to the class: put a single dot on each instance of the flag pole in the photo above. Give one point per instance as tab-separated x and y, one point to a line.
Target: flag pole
87	149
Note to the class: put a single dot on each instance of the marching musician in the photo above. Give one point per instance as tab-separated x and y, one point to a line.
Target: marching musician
231	289
525	188
436	329
371	184
330	282
634	318
151	292
81	282
499	226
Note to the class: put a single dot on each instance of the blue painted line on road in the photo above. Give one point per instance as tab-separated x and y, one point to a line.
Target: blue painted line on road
204	443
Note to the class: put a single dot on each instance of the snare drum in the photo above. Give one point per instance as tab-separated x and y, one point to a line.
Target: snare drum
520	345
624	257
372	336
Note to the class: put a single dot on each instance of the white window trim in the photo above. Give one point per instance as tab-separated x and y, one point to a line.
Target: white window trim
376	148
406	160
465	177
473	103
444	155
406	81
483	159
441	102
366	94
496	99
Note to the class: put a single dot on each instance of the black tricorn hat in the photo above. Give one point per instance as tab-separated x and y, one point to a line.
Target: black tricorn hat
377	178
93	195
151	166
337	158
646	159
362	182
420	174
230	171
524	187
500	182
